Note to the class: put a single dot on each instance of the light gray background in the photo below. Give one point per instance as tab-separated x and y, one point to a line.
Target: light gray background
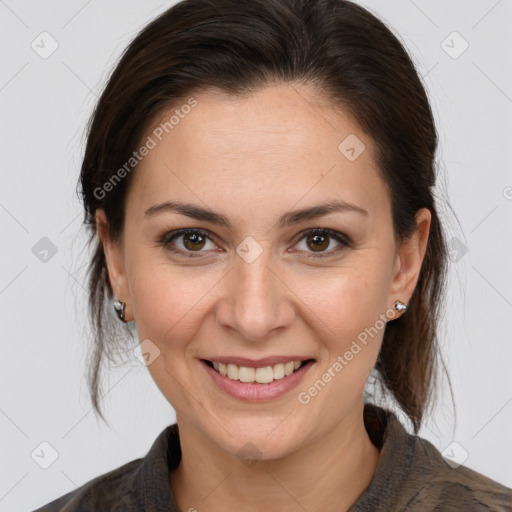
45	104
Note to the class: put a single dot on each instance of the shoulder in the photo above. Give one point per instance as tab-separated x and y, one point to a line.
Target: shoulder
141	484
109	491
443	486
413	475
438	484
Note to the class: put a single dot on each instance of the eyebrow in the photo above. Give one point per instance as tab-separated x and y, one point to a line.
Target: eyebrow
287	219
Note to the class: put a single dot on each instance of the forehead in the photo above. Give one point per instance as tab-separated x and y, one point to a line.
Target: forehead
281	144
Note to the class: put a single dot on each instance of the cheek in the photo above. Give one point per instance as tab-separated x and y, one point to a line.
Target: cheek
347	309
168	301
345	301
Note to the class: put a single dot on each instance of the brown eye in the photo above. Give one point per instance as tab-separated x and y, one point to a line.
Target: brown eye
193	241
318	242
187	242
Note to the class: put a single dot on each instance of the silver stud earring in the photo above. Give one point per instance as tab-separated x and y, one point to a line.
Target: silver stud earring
400	306
119	309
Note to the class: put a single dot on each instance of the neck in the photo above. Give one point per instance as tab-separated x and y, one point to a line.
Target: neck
344	460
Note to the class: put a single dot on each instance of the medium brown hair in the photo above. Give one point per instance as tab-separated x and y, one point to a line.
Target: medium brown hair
239	46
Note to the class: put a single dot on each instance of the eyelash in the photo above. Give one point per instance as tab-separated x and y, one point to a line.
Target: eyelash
171	235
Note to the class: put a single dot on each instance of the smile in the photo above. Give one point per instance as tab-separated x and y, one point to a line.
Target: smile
261	375
257	384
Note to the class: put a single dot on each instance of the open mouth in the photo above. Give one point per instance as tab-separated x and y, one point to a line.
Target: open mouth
263	375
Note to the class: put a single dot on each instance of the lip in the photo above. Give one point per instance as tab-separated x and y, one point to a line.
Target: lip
255	392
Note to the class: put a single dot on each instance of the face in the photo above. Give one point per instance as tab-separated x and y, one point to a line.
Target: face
251	284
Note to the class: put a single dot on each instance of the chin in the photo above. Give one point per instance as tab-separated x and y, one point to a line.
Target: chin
251	440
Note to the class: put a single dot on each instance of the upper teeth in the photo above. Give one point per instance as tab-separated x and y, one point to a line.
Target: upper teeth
263	375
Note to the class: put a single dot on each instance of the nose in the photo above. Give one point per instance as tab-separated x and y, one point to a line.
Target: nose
257	302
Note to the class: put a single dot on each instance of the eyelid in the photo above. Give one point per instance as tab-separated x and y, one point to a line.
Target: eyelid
168	236
344	241
341	238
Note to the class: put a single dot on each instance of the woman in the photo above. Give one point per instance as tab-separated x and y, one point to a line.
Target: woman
258	181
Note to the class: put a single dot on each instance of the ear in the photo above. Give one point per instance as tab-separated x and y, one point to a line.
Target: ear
409	258
115	263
